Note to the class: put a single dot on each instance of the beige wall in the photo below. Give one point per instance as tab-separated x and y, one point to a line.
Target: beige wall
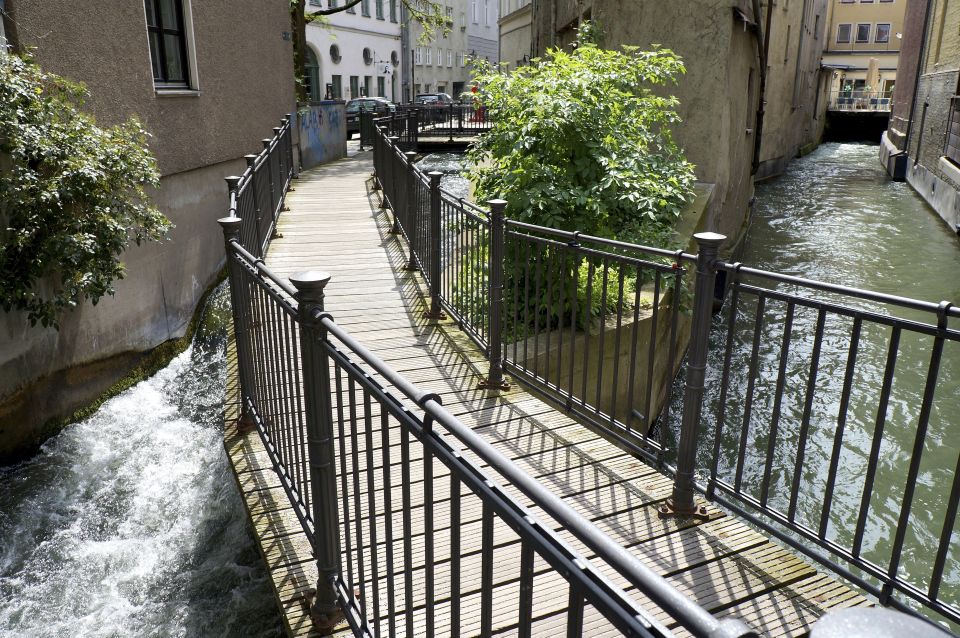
245	88
850	60
515	33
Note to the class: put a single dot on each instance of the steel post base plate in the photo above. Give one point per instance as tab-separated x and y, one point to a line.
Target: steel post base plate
324	621
487	384
439	315
245	424
668	509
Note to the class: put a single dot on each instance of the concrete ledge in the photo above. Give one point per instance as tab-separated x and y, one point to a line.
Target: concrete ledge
942	196
893	159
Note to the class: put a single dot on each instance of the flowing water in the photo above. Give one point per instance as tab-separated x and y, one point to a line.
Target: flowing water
129	522
836	217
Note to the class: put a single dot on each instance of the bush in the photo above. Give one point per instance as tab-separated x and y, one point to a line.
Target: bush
580	141
72	197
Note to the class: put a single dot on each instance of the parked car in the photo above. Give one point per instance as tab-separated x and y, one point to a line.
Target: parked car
435	104
379	105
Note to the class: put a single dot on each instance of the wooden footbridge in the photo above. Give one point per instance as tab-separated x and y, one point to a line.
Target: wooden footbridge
414	498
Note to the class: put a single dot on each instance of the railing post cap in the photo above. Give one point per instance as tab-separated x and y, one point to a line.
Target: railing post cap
435	175
251	158
710	239
497	203
229	223
310	282
232	181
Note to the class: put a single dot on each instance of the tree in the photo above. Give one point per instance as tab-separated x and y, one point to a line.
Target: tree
428	13
72	194
581	141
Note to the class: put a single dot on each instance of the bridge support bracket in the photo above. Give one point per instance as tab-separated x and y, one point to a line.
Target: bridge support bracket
668	509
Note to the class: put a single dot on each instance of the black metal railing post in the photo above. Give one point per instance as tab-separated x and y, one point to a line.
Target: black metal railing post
413	125
325	611
231	233
294	169
495	380
360	120
435	311
273	195
255	195
682	503
410	218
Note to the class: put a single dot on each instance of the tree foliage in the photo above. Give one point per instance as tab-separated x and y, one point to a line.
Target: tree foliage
581	141
72	194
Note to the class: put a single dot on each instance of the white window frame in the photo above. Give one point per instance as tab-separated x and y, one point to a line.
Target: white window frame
849	26
193	75
876	32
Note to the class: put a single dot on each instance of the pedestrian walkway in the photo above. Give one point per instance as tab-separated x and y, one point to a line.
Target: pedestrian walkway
335	224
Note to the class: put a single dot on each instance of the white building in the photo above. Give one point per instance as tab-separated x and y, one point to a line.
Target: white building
442	64
357	54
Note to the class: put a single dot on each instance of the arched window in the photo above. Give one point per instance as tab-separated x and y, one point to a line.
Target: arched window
311	75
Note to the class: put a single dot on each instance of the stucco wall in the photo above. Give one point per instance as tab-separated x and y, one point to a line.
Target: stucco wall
515	37
243	71
323	133
244	89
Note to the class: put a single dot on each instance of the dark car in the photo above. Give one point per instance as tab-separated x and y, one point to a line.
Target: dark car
378	105
436	104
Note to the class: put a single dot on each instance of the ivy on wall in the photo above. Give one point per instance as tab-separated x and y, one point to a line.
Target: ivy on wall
72	194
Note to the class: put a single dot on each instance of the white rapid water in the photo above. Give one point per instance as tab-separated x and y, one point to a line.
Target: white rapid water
129	523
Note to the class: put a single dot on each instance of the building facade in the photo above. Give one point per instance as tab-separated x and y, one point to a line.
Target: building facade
925	136
736	61
516	37
208	91
862	48
442	63
357	53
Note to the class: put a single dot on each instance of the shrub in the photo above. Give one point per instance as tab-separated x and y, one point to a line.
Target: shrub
72	197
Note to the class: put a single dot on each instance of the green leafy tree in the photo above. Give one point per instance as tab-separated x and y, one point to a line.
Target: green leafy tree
72	194
581	140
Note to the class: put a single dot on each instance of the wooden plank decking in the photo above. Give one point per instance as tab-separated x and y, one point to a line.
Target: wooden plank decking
334	224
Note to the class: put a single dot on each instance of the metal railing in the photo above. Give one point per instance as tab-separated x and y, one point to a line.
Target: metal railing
858	100
257	195
363	466
581	318
411	123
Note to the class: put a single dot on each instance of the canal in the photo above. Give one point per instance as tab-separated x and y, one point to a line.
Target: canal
834	216
129	523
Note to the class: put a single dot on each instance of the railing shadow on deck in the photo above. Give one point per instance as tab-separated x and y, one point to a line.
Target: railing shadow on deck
309	386
492	265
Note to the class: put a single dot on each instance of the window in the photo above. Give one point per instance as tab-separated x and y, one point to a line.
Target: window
381	86
475	6
486	12
429	55
866	1
417	56
336	82
379	9
882	33
335	56
367	56
952	149
352	9
168	43
847	1
354	86
449	57
394	58
334	4
367	85
316	3
311	75
393	10
843	33
365	8
886	0
863	32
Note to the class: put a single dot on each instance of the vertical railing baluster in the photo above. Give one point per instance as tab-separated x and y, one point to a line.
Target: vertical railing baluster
231	233
681	503
273	187
495	380
320	440
435	311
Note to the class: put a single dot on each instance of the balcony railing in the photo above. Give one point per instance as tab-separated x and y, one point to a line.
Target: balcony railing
857	100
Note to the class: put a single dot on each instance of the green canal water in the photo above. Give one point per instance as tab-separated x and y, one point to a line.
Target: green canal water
834	216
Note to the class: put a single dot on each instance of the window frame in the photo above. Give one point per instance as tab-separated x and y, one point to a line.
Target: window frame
849	38
188	60
876	32
866	40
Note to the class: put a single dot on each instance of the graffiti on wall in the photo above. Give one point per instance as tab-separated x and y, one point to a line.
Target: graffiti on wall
323	137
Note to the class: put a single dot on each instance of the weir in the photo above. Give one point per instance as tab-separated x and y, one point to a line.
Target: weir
404	468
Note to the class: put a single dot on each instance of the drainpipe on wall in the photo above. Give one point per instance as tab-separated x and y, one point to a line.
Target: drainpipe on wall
916	83
763	50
